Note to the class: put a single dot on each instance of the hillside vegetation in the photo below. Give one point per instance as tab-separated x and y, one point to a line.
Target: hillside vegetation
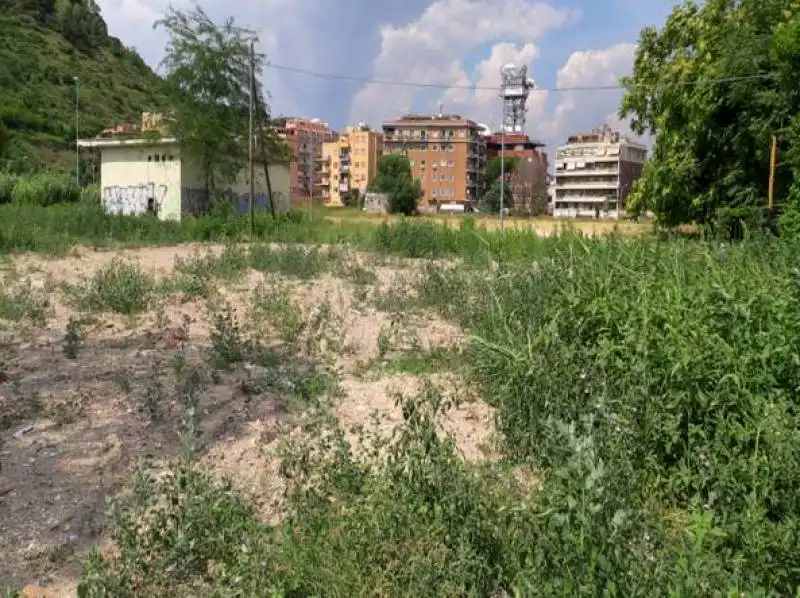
44	45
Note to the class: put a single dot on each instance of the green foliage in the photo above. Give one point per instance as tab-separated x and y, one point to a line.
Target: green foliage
4	139
789	221
7	183
490	201
713	138
494	166
46	188
395	179
208	81
734	224
43	47
119	287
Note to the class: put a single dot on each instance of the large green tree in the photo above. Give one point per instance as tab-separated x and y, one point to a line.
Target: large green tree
395	179
713	85
208	83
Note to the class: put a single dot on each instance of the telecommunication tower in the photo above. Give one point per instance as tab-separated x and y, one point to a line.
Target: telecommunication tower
515	89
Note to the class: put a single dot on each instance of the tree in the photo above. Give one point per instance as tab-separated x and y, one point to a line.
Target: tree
713	85
394	178
208	84
494	166
490	201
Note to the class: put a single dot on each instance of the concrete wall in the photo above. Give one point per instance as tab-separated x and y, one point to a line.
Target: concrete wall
130	176
279	178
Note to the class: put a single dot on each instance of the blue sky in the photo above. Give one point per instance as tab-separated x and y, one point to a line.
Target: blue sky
564	42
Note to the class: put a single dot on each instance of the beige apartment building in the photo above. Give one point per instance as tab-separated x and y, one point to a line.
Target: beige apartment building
447	155
595	172
348	163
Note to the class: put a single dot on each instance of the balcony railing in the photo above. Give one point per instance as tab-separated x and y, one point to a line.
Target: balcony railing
586	184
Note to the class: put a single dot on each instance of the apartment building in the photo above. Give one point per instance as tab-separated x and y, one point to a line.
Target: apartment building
595	172
528	181
305	138
447	155
348	163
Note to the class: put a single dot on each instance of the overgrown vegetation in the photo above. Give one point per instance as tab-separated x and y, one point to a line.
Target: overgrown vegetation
646	395
44	47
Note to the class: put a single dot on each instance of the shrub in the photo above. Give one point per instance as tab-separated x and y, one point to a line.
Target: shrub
7	183
46	189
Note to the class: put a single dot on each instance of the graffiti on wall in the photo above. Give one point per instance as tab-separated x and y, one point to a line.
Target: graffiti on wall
134	199
195	201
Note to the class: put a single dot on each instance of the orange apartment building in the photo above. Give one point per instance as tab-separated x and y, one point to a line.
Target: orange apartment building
447	155
305	137
348	163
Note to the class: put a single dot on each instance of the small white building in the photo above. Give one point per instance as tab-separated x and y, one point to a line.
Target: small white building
141	175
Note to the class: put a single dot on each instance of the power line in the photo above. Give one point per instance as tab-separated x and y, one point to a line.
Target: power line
417	84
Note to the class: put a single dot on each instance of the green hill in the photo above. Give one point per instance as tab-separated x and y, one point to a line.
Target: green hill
44	45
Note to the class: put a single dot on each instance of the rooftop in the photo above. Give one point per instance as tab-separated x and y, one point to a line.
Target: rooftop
431	120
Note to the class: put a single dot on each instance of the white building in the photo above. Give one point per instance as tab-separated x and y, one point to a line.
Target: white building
594	174
144	175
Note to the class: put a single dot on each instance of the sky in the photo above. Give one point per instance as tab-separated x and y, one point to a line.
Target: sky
565	43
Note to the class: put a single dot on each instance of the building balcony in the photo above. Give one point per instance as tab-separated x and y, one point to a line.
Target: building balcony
578	172
570	184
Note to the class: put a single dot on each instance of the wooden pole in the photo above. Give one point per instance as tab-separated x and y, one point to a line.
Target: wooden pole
251	142
263	150
773	154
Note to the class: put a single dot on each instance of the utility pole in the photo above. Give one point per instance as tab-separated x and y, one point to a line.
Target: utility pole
502	167
263	149
773	155
77	134
251	142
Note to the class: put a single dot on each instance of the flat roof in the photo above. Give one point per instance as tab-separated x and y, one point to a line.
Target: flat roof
135	141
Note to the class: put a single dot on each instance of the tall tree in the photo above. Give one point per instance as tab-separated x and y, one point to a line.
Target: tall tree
395	179
208	83
713	85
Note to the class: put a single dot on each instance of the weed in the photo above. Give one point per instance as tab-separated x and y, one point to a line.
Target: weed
119	287
155	395
73	338
228	344
295	261
274	311
25	303
195	276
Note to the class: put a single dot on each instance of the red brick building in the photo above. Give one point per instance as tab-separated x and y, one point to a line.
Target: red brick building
305	138
528	181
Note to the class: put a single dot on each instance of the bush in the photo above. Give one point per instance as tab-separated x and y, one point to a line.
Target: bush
735	223
7	183
46	189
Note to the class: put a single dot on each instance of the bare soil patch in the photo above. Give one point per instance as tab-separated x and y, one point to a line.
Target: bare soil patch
74	426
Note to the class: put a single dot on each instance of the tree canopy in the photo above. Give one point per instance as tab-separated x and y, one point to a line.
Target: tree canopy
395	179
714	84
208	83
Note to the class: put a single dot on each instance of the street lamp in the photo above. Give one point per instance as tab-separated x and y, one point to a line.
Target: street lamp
77	134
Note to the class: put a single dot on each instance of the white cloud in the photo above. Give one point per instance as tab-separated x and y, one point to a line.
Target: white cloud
430	49
132	21
484	105
579	110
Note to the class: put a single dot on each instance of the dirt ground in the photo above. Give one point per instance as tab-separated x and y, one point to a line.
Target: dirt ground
85	395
